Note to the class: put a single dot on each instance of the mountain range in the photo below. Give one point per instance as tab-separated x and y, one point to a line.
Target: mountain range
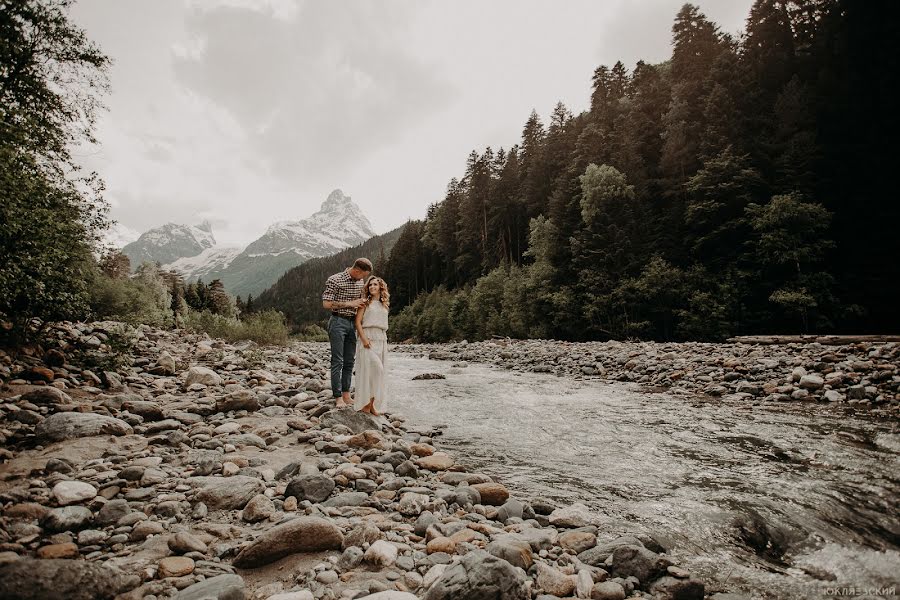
192	250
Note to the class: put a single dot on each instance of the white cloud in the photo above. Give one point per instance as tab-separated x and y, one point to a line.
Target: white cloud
246	112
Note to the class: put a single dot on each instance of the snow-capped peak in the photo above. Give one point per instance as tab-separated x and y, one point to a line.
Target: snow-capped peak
336	200
170	242
338	224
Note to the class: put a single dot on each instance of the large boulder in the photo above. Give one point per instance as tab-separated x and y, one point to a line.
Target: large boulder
71	425
638	562
554	582
165	365
480	576
303	534
239	400
228	493
356	421
596	556
368	439
672	588
47	395
203	376
314	488
73	492
67	518
439	461
150	411
492	493
51	579
221	587
513	550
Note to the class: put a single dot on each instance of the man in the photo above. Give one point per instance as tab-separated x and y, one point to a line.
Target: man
342	296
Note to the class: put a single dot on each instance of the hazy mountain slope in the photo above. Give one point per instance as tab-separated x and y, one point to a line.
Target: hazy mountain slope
298	293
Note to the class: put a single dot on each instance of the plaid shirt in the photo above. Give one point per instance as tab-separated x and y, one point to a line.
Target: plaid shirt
340	287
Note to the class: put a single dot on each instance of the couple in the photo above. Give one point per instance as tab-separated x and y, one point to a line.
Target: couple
359	303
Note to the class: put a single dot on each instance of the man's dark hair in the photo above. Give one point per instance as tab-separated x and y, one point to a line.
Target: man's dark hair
363	264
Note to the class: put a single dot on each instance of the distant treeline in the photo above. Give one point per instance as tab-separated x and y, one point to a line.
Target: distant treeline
298	293
743	186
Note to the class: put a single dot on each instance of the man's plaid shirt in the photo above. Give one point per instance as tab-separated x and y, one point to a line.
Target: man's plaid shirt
340	287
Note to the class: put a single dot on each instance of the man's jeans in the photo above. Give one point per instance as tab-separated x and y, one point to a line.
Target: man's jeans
342	335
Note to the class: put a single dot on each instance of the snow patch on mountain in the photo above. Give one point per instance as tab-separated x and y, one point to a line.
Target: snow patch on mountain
170	242
192	251
339	223
209	261
118	235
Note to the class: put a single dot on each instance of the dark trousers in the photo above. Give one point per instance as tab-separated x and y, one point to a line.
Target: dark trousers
342	335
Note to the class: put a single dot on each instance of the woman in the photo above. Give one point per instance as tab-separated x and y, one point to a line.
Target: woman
371	353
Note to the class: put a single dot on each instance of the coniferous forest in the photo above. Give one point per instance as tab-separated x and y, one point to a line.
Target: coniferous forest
743	186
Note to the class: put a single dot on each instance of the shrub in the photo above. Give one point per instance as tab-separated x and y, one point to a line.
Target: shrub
312	333
133	301
264	327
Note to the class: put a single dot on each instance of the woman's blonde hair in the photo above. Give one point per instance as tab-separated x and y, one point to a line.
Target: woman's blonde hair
385	294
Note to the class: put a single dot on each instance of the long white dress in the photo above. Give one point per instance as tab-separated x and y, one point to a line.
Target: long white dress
370	362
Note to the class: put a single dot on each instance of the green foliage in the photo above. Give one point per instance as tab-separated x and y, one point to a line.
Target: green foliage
50	80
45	242
262	327
311	333
718	194
791	231
602	188
681	205
133	301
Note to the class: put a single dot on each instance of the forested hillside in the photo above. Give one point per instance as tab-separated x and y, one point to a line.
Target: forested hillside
745	185
298	293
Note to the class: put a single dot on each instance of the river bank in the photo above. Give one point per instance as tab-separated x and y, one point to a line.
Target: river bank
865	374
202	469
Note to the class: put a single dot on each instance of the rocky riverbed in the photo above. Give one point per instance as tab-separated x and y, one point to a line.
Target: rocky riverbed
865	374
206	470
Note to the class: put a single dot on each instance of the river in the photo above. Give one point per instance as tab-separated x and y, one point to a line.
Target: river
778	501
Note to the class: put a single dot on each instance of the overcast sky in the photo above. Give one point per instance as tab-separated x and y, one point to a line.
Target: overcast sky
246	112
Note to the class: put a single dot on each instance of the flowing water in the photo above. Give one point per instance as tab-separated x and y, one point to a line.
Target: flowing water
772	500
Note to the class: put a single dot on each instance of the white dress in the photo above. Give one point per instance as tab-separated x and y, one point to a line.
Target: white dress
370	362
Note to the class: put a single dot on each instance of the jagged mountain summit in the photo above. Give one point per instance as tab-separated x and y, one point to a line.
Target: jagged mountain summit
170	242
338	224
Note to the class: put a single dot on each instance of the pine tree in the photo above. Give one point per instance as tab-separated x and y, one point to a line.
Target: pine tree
218	300
535	182
178	305
191	297
642	135
697	45
717	198
203	302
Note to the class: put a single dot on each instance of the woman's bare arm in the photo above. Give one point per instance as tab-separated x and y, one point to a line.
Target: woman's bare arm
359	330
